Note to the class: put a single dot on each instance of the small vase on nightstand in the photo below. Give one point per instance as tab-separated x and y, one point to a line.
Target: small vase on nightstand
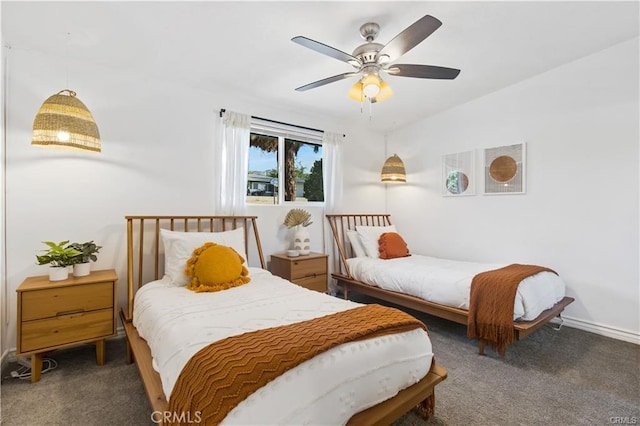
81	269
58	273
302	241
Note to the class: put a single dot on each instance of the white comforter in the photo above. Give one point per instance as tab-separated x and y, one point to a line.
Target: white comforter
327	389
448	282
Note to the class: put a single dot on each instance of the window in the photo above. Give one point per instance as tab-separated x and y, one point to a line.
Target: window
285	166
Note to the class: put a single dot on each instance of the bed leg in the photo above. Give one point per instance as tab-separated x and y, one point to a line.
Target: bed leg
345	291
427	407
481	346
560	324
129	353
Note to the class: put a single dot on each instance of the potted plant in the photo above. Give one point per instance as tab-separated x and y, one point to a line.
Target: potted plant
58	256
300	218
87	253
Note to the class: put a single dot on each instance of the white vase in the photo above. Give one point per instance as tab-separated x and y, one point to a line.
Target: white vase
58	273
302	241
81	269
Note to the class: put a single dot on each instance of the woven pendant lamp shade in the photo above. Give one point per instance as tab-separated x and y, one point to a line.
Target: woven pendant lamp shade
393	170
63	121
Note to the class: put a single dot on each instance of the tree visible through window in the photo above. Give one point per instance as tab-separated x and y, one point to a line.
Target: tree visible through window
313	185
283	169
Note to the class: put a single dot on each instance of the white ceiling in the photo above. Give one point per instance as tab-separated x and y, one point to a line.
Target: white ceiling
245	46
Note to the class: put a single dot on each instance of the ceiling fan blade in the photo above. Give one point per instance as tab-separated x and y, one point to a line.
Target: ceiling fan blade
423	71
325	50
410	37
326	81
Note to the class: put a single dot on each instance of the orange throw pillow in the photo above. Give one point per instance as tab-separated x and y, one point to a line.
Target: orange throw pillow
391	245
214	267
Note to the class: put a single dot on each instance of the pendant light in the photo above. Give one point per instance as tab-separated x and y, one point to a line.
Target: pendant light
393	170
63	121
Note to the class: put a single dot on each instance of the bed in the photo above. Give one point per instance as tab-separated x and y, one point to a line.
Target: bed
439	287
376	379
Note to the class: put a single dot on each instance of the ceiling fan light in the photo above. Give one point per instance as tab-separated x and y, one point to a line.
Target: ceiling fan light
385	92
371	90
371	85
356	92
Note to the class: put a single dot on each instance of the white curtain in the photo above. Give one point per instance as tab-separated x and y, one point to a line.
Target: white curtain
332	170
332	178
231	163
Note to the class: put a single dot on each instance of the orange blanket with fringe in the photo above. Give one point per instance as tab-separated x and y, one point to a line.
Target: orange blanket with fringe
493	295
223	374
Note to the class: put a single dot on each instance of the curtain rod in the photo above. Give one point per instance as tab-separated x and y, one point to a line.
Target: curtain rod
222	111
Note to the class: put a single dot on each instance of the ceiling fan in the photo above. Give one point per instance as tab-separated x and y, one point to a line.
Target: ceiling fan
371	59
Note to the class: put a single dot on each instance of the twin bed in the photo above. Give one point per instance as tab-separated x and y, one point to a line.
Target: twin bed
371	379
438	287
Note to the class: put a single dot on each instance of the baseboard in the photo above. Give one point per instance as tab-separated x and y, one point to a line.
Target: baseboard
603	330
5	359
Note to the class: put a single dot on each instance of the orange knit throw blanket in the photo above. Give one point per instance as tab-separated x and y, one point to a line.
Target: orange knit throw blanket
493	295
223	374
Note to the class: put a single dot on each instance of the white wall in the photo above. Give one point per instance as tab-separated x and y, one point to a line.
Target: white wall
580	213
3	286
157	142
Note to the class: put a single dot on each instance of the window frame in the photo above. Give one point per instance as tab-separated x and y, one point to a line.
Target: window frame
284	131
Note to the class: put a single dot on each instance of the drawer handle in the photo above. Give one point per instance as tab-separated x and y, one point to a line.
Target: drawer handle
311	275
74	311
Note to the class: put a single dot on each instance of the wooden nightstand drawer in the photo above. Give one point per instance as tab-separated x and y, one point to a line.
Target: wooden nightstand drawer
305	268
317	283
58	301
64	329
309	271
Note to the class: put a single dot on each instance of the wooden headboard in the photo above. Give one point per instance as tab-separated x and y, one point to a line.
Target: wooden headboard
145	251
341	223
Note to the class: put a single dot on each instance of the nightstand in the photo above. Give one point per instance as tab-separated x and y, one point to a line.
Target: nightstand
309	271
58	314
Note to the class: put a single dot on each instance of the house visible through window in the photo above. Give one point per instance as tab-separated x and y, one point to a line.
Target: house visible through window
284	167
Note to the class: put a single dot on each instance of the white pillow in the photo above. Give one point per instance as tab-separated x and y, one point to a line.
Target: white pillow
179	246
356	245
369	235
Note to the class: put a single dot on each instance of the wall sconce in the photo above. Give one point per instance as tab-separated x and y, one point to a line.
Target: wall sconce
393	170
63	121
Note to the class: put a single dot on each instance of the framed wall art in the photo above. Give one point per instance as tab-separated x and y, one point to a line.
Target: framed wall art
505	169
458	174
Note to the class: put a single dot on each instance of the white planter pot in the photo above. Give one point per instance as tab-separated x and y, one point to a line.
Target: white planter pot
302	241
58	273
81	269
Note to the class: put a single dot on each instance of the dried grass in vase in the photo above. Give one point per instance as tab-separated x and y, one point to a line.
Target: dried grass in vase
297	217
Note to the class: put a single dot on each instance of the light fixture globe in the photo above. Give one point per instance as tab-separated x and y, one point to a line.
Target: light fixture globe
63	121
393	170
385	92
359	90
371	86
356	92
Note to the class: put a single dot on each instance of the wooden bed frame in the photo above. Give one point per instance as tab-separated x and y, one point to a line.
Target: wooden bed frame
341	223
144	264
